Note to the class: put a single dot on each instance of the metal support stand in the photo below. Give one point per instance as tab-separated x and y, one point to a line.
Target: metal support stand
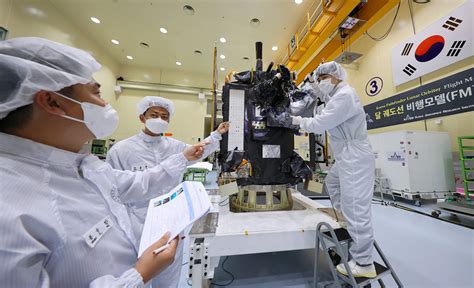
198	264
275	198
201	264
340	237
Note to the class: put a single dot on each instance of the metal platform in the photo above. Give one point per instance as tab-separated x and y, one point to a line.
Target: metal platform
382	188
413	196
458	207
250	233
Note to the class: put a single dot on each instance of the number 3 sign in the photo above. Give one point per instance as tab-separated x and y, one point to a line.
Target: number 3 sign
374	86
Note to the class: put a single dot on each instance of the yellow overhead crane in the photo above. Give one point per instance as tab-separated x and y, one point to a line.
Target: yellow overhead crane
311	41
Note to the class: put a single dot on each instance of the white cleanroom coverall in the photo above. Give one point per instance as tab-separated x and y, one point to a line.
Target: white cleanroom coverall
350	181
63	219
141	152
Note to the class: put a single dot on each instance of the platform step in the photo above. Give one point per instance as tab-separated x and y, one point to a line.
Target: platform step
341	233
381	271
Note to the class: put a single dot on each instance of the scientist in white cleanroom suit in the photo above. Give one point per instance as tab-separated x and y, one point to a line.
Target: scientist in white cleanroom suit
350	183
62	218
149	148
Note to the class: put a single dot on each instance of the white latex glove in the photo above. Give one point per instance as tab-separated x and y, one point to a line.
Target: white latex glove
296	120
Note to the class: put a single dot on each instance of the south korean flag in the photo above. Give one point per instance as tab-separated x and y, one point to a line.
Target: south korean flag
448	40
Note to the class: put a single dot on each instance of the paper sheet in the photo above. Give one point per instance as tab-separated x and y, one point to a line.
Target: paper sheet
228	189
315	187
202	165
174	212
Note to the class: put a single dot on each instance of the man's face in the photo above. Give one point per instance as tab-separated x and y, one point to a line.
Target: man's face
90	93
84	93
156	112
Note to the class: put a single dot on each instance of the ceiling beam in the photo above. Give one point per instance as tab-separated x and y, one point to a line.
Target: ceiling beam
329	20
372	12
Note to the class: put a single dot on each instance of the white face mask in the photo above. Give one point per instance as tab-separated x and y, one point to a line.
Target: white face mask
156	125
102	121
326	86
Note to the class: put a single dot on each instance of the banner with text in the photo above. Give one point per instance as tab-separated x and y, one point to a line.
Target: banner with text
447	96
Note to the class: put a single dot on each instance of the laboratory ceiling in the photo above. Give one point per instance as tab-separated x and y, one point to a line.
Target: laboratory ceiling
188	30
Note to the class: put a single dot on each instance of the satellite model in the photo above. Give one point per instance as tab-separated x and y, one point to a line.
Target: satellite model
259	149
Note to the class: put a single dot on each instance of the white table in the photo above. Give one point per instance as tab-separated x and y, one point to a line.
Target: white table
224	233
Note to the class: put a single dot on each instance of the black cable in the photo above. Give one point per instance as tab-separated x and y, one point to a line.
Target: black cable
228	272
410	8
395	205
380	201
319	197
389	28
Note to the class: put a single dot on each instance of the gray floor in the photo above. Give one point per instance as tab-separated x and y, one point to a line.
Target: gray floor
425	252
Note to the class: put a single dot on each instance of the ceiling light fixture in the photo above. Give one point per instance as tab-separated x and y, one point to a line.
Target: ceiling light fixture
222	56
116	42
95	20
275	48
163	30
222	68
197	52
298	2
178	63
255	22
144	45
223	40
188	10
246	58
129	57
35	11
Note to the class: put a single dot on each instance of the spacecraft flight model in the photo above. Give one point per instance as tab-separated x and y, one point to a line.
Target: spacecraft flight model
258	150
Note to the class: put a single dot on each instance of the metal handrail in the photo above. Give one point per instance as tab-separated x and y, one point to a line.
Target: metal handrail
314	13
338	249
